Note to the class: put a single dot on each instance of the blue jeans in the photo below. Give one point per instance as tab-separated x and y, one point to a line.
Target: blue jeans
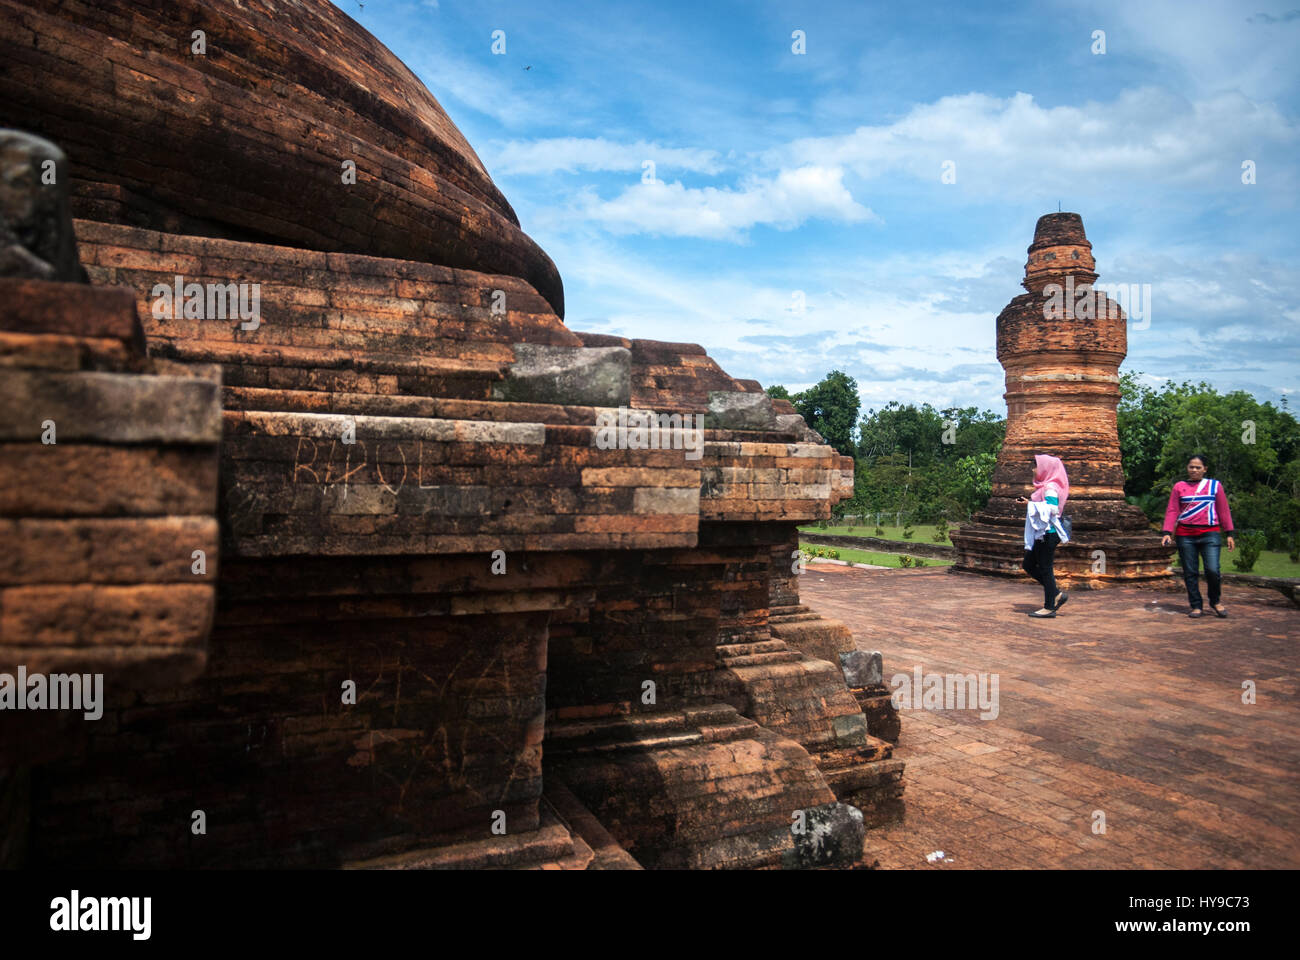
1190	551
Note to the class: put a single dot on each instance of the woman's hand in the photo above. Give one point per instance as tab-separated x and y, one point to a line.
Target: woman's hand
1232	545
1022	499
1164	541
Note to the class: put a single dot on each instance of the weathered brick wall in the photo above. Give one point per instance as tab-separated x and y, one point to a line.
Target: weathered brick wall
406	768
414	495
446	729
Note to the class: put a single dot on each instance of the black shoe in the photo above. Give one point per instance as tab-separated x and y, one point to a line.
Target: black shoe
1060	603
1043	616
1194	612
1221	614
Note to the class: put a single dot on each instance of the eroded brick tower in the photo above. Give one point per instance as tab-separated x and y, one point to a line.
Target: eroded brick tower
1061	344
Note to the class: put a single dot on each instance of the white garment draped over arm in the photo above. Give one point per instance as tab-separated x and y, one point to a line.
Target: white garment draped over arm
1041	516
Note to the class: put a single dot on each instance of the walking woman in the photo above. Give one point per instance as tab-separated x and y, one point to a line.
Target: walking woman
1044	530
1197	513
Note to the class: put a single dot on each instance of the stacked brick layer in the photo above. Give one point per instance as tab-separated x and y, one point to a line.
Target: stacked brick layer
108	528
108	481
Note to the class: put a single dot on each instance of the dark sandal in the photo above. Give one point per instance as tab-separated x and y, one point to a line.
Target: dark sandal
1221	614
1043	616
1064	599
1194	613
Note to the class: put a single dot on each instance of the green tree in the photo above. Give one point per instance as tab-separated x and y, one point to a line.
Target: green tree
931	463
1251	447
972	480
831	408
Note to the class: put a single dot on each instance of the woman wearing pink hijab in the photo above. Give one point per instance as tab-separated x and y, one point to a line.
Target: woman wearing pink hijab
1044	530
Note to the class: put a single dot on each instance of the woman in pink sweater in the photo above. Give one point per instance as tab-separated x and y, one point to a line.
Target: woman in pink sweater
1197	512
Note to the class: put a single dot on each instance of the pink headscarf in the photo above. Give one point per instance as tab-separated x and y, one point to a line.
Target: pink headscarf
1050	470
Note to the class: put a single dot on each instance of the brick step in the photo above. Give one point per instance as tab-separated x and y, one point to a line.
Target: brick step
792	673
787	610
658	730
413	334
871	750
551	842
392	405
795	618
729	650
764	659
580	855
865	777
319	358
607	852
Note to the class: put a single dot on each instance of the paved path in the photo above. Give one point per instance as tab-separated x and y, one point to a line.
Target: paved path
1122	704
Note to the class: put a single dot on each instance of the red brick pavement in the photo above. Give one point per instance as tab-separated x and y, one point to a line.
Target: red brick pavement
1121	704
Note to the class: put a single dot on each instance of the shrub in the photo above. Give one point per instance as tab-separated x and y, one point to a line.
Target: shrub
905	561
833	554
940	531
880	531
908	531
1294	544
1249	544
850	528
822	524
918	562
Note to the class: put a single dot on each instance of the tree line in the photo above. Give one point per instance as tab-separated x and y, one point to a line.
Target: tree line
937	464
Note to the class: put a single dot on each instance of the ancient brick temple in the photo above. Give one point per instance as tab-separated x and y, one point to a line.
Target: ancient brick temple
452	628
1061	345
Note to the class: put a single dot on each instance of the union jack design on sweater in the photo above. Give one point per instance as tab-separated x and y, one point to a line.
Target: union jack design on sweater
1199	507
1195	509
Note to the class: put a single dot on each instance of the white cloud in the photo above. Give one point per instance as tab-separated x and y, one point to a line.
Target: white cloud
1208	46
496	88
1005	146
570	154
783	201
886	334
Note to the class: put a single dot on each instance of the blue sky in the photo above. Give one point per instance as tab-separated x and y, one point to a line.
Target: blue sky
819	175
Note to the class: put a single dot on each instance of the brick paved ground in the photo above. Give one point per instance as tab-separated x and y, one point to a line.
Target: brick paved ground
1121	704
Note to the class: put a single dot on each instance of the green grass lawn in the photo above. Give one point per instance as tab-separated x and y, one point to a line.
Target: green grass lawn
1271	563
923	533
879	559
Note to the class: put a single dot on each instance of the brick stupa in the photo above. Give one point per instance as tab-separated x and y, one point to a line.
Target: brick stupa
1062	362
563	655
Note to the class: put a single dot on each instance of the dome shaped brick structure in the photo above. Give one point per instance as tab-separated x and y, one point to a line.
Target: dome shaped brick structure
248	139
